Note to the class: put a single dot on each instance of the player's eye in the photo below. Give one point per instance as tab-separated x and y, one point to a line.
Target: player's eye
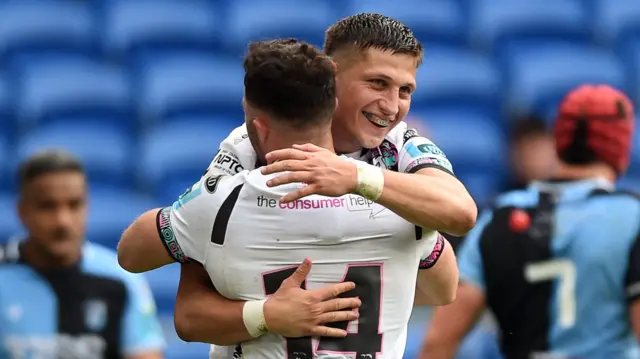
407	90
378	82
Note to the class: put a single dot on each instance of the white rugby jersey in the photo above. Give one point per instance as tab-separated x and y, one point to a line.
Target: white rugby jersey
402	150
249	243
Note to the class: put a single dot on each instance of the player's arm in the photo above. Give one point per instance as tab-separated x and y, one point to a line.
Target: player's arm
139	249
142	336
438	273
633	286
452	322
425	192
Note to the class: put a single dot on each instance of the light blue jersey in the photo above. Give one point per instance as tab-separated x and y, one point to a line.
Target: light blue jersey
94	310
559	264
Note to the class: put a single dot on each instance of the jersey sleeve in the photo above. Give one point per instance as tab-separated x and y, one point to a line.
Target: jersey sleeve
418	152
187	227
633	271
141	330
469	255
234	155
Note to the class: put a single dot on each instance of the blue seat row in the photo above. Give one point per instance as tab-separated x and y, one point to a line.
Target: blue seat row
118	26
177	83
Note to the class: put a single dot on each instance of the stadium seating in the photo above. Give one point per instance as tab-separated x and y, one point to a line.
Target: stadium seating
173	24
457	77
251	20
69	87
190	82
143	91
539	76
494	22
439	21
31	27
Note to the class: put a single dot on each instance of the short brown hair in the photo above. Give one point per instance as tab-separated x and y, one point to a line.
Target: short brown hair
377	31
290	80
46	162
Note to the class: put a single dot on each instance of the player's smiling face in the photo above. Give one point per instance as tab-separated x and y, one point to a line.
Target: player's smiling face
374	95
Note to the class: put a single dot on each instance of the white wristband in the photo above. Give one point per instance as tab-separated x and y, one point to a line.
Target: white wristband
253	318
370	181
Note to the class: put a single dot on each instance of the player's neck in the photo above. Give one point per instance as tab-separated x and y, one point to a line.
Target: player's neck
39	258
572	172
319	138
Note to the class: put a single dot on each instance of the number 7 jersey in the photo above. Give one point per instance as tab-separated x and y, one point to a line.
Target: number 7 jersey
249	243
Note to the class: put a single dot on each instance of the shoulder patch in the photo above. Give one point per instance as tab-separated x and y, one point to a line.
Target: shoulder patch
211	183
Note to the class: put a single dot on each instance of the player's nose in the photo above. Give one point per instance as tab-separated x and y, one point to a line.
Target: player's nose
390	106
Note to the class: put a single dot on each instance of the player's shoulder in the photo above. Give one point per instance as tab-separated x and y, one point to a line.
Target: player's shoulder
237	136
235	154
520	198
102	262
619	202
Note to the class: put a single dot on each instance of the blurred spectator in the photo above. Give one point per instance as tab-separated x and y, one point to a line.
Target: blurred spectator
533	154
62	297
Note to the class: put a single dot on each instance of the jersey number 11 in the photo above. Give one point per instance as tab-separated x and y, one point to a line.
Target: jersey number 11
367	341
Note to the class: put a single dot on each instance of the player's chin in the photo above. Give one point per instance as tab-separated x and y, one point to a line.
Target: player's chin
371	140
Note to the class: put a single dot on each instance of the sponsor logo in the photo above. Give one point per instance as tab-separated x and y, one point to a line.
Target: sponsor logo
409	134
168	237
301	204
227	162
385	155
211	183
95	315
357	203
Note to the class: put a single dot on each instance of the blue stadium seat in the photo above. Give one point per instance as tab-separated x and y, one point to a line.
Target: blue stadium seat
190	82
46	25
9	221
630	183
456	77
69	87
7	125
111	211
180	151
435	20
251	20
150	24
541	75
104	149
6	180
495	21
616	20
471	141
164	285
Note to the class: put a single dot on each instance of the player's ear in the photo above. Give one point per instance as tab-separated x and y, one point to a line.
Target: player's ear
262	128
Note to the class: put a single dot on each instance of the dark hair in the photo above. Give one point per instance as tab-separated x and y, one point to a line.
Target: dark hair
377	31
528	126
45	162
290	80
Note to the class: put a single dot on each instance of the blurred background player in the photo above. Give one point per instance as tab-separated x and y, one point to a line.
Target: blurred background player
558	263
532	149
377	59
290	96
62	297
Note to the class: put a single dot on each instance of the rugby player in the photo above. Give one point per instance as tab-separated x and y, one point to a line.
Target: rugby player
61	296
249	242
377	59
559	262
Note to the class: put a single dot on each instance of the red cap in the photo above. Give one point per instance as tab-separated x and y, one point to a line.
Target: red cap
595	123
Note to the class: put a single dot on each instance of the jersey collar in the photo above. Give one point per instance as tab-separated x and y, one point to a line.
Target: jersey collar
573	189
